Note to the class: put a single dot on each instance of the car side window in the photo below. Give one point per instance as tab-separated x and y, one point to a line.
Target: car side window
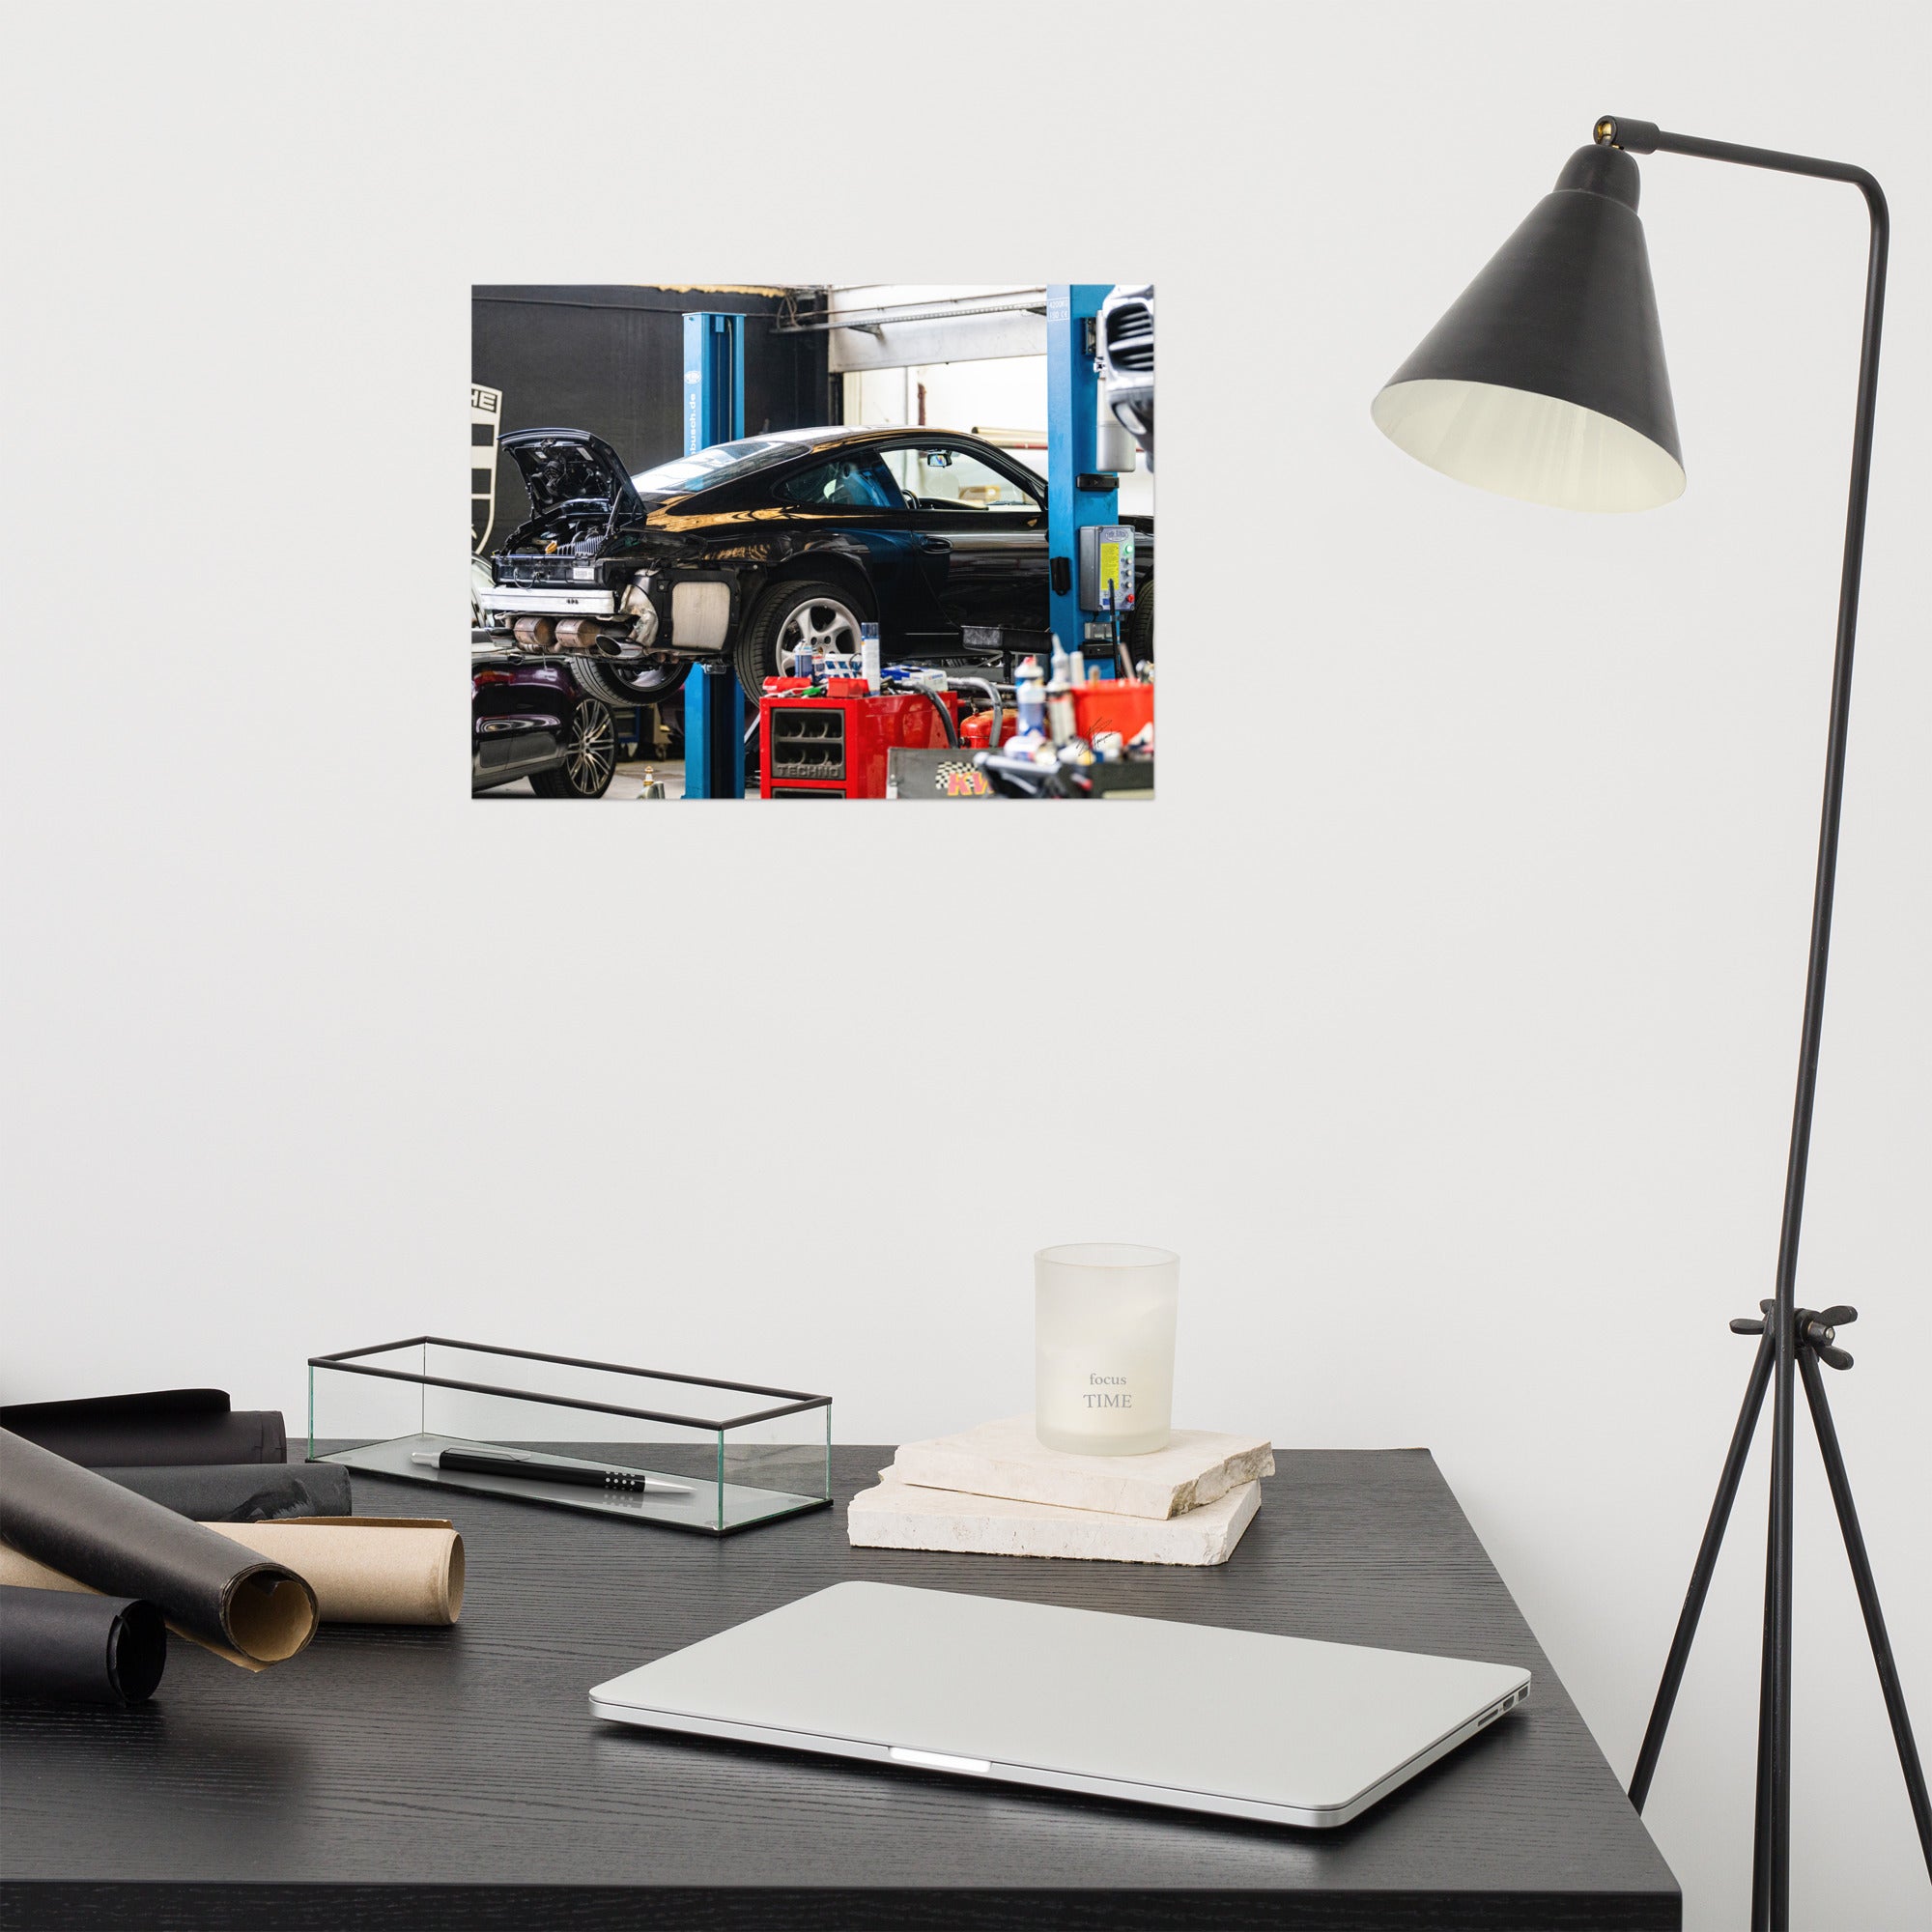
943	476
859	482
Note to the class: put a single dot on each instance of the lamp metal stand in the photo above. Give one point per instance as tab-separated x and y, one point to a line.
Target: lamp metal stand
1795	1340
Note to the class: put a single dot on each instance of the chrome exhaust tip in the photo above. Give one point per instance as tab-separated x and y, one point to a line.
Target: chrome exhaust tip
586	637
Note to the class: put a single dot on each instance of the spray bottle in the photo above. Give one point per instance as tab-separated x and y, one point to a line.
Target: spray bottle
1030	698
1060	710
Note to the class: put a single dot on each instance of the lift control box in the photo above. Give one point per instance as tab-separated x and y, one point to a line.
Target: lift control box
836	747
1106	563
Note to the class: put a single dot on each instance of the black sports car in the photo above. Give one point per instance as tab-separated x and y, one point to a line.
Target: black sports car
750	548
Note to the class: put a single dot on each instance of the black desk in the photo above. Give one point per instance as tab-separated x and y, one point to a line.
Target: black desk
428	1778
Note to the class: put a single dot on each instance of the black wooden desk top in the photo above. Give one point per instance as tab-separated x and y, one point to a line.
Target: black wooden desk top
422	1779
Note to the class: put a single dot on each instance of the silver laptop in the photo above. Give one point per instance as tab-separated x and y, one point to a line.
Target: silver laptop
1279	1728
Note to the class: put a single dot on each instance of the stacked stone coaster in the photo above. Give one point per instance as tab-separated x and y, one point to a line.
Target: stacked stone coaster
996	1491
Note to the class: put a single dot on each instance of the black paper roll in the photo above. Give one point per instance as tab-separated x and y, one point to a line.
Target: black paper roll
117	1543
243	1491
58	1644
163	1426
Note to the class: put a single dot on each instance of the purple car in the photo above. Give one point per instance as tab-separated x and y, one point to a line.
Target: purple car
528	721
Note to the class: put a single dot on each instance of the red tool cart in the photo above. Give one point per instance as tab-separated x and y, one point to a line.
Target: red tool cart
834	747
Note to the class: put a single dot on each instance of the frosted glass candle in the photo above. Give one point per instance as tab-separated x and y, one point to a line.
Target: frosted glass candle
1103	1348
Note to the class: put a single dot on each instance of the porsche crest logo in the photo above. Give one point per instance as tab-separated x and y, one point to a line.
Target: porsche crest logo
486	415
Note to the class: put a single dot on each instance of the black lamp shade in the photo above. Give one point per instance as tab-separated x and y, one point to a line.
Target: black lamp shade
1546	381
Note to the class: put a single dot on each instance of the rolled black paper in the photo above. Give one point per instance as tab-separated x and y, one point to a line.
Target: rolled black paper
162	1426
78	1649
243	1491
208	1587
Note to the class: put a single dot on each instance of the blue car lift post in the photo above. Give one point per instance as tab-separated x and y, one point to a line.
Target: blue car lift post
713	412
1072	439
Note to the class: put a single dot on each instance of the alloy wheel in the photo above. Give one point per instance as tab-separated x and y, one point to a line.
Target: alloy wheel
590	759
822	626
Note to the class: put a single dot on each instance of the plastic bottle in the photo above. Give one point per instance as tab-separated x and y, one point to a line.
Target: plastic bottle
1030	697
1060	710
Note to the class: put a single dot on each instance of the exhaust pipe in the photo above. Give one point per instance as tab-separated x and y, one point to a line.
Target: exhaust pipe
576	637
586	637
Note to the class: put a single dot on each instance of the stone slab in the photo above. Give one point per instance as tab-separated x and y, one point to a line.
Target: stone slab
903	1516
1007	1459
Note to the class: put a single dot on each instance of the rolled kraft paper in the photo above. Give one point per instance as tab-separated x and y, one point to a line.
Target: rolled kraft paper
367	1570
159	1426
79	1649
364	1570
22	1573
105	1538
243	1491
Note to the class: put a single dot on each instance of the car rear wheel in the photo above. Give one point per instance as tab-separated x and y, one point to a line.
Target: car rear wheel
824	616
655	681
589	756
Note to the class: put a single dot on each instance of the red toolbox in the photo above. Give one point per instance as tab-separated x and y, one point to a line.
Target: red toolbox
836	747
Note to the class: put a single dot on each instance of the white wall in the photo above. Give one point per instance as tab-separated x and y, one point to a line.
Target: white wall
1445	1027
1008	392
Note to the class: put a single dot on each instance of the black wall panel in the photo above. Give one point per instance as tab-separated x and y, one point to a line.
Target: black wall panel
611	361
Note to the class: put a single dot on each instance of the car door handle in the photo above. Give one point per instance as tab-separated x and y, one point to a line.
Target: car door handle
939	545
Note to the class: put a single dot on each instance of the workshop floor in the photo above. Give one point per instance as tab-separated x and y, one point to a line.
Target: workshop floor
629	784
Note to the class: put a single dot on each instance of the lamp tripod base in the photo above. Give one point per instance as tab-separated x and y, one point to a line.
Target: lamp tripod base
1814	1340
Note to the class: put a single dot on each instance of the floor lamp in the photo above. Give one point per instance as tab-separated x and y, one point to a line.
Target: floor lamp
1546	381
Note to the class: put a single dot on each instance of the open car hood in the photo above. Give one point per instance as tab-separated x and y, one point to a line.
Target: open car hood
570	466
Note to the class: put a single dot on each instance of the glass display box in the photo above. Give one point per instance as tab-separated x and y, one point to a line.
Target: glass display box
683	1452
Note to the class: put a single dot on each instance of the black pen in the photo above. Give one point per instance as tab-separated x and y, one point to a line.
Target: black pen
531	1468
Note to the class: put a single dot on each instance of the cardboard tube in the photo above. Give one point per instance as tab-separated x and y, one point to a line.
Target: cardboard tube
89	1533
18	1571
366	1570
